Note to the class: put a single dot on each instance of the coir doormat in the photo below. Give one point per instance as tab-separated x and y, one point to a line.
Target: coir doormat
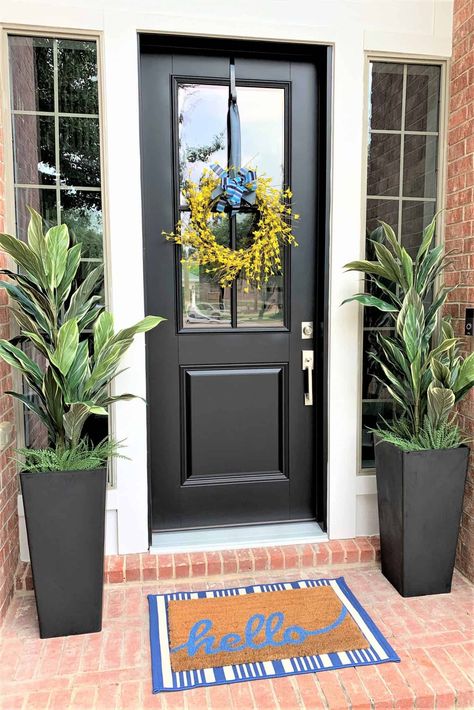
231	635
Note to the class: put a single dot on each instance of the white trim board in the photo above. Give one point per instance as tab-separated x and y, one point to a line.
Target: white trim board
211	539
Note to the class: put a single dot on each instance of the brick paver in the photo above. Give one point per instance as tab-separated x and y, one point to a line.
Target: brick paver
111	670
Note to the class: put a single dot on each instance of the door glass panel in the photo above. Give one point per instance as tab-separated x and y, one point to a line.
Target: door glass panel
262	118
203	140
257	308
205	303
202	121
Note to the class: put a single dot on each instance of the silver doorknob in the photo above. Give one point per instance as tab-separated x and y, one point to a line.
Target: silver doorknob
306	330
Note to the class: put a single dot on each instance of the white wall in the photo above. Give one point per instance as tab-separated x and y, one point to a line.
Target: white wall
355	28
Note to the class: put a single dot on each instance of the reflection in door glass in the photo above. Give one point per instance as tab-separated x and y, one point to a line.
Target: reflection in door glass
262	117
205	303
257	308
202	118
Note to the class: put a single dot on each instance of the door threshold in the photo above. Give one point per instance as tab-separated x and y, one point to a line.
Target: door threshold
236	538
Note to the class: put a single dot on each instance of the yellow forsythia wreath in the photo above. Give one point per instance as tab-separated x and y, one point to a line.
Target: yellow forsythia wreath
255	263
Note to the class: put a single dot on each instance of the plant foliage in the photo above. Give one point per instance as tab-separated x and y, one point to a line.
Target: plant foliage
421	365
70	381
80	458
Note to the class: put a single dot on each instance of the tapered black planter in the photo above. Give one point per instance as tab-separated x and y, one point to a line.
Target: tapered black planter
420	498
65	520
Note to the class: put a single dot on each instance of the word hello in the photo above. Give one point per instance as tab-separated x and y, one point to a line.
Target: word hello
271	627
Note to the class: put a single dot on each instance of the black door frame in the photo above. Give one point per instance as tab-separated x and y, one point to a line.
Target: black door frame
322	57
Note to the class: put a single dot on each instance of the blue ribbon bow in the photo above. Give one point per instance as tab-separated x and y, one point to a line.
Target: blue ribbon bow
234	189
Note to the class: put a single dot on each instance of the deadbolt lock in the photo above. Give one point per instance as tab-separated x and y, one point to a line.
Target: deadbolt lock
306	329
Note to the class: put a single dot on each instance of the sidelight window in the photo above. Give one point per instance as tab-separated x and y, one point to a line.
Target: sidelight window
56	144
402	189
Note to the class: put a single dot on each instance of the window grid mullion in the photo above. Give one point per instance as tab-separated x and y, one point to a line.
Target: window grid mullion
56	128
402	153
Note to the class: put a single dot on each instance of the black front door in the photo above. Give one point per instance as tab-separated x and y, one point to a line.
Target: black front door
232	438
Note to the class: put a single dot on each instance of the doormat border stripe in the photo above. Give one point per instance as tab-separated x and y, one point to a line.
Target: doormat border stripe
165	679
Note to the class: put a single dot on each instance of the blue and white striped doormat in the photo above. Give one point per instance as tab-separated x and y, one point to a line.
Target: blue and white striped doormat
165	679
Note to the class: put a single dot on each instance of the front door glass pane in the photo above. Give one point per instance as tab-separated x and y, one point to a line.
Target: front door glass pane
205	303
202	141
202	123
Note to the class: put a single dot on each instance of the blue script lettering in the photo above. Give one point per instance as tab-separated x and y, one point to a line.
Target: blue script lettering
200	636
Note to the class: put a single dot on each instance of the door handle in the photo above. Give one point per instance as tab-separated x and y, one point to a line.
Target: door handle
308	367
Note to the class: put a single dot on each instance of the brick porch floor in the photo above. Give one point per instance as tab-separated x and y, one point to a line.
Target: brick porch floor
433	635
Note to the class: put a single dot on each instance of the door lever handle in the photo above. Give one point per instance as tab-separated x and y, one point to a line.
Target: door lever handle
308	367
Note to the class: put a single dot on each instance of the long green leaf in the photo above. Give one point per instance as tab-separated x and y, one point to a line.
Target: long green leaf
465	379
392	239
24	256
68	342
17	358
57	243
368	300
80	297
78	374
36	240
368	267
391	266
38	410
72	264
440	404
143	326
407	266
103	331
427	238
412	332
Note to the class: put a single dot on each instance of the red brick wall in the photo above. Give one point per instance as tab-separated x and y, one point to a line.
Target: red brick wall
9	546
460	230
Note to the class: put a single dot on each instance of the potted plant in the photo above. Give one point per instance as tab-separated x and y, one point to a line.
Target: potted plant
70	353
420	455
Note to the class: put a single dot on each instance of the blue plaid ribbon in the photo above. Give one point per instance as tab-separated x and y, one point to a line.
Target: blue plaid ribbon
234	189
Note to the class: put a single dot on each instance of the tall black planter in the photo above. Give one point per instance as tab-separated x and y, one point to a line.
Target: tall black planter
420	498
65	520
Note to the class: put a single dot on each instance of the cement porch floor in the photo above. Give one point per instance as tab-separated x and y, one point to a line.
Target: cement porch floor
434	636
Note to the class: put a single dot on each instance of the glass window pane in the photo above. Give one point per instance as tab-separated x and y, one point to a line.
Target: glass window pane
77	76
31	71
371	387
415	217
384	210
262	118
202	120
81	210
371	413
422	97
383	164
34	155
257	308
43	200
205	303
420	166
385	99
80	151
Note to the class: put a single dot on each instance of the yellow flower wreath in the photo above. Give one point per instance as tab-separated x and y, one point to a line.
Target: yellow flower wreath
256	263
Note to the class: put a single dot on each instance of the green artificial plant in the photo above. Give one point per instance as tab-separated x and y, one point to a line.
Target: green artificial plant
68	373
420	365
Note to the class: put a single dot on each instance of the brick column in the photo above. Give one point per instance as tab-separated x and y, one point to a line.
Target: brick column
9	543
460	231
